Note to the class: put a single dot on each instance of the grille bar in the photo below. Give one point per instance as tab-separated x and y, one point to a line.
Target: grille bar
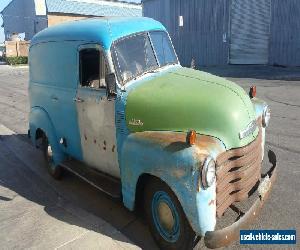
241	174
238	171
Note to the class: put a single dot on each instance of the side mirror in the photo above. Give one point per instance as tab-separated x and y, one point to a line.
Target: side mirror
111	86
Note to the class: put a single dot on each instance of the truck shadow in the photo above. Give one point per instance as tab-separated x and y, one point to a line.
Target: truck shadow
70	200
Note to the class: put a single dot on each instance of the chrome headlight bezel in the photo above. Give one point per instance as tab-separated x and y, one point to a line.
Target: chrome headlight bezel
266	116
208	173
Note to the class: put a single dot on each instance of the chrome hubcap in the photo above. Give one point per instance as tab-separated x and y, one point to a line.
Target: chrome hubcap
49	151
166	216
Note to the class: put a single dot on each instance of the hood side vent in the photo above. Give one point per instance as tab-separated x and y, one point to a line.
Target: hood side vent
120	122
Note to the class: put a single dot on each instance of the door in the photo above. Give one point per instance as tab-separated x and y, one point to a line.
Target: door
96	114
250	31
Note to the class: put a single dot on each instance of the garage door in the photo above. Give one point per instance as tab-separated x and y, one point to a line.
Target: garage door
250	31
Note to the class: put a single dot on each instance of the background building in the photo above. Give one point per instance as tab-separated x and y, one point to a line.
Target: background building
32	16
2	50
220	32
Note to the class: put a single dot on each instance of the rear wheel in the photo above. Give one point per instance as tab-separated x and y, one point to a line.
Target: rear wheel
166	219
55	171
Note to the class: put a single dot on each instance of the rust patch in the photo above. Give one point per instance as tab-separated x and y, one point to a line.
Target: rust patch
212	202
163	138
238	171
176	141
224	237
178	173
95	141
113	148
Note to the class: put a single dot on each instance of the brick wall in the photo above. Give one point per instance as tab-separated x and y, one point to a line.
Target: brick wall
17	48
54	19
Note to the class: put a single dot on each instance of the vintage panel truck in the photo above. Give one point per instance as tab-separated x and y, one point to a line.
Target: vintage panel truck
111	103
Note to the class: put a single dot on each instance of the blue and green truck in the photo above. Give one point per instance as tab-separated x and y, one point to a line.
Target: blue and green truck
110	102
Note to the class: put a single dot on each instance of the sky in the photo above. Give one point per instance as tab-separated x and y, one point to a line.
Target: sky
4	3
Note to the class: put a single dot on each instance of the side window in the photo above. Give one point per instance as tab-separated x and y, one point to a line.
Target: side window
93	68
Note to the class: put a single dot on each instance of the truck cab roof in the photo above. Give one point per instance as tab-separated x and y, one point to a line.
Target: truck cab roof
104	30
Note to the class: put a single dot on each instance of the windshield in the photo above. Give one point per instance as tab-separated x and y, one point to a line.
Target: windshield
138	54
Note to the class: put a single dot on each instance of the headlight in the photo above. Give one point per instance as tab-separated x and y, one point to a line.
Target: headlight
266	116
208	175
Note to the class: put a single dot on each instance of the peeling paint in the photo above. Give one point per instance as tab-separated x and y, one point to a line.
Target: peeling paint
179	173
178	165
97	127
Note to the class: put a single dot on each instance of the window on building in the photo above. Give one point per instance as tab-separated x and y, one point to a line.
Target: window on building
93	68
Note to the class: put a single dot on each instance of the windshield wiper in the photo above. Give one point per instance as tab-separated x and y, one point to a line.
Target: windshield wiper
170	63
153	71
156	70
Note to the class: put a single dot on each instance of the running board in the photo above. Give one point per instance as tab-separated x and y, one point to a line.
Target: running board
106	184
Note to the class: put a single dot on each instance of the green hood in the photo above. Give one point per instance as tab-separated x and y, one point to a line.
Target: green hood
182	99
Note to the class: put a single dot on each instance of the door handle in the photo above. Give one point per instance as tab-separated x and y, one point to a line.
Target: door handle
77	99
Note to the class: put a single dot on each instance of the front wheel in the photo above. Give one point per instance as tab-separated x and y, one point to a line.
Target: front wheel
166	219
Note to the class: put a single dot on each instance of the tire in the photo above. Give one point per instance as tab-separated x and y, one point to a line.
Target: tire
55	171
166	218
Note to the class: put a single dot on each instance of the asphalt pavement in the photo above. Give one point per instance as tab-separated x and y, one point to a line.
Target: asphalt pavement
39	212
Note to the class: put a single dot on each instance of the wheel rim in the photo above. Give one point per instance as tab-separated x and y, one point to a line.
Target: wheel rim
49	155
165	216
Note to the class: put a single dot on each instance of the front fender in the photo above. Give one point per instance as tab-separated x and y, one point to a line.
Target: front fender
39	119
167	156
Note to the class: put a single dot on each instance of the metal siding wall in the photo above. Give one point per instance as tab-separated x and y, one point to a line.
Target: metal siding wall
201	37
30	23
158	10
285	33
250	31
13	17
204	23
20	17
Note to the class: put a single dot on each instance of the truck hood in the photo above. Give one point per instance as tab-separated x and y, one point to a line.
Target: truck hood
181	99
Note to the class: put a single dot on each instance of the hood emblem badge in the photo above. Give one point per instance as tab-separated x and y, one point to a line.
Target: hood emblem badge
135	122
251	127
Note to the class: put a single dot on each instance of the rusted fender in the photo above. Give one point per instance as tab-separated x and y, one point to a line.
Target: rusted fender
167	156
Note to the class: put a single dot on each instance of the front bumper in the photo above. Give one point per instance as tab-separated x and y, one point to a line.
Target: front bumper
225	236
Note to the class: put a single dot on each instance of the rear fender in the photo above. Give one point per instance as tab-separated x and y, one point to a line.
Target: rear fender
39	119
